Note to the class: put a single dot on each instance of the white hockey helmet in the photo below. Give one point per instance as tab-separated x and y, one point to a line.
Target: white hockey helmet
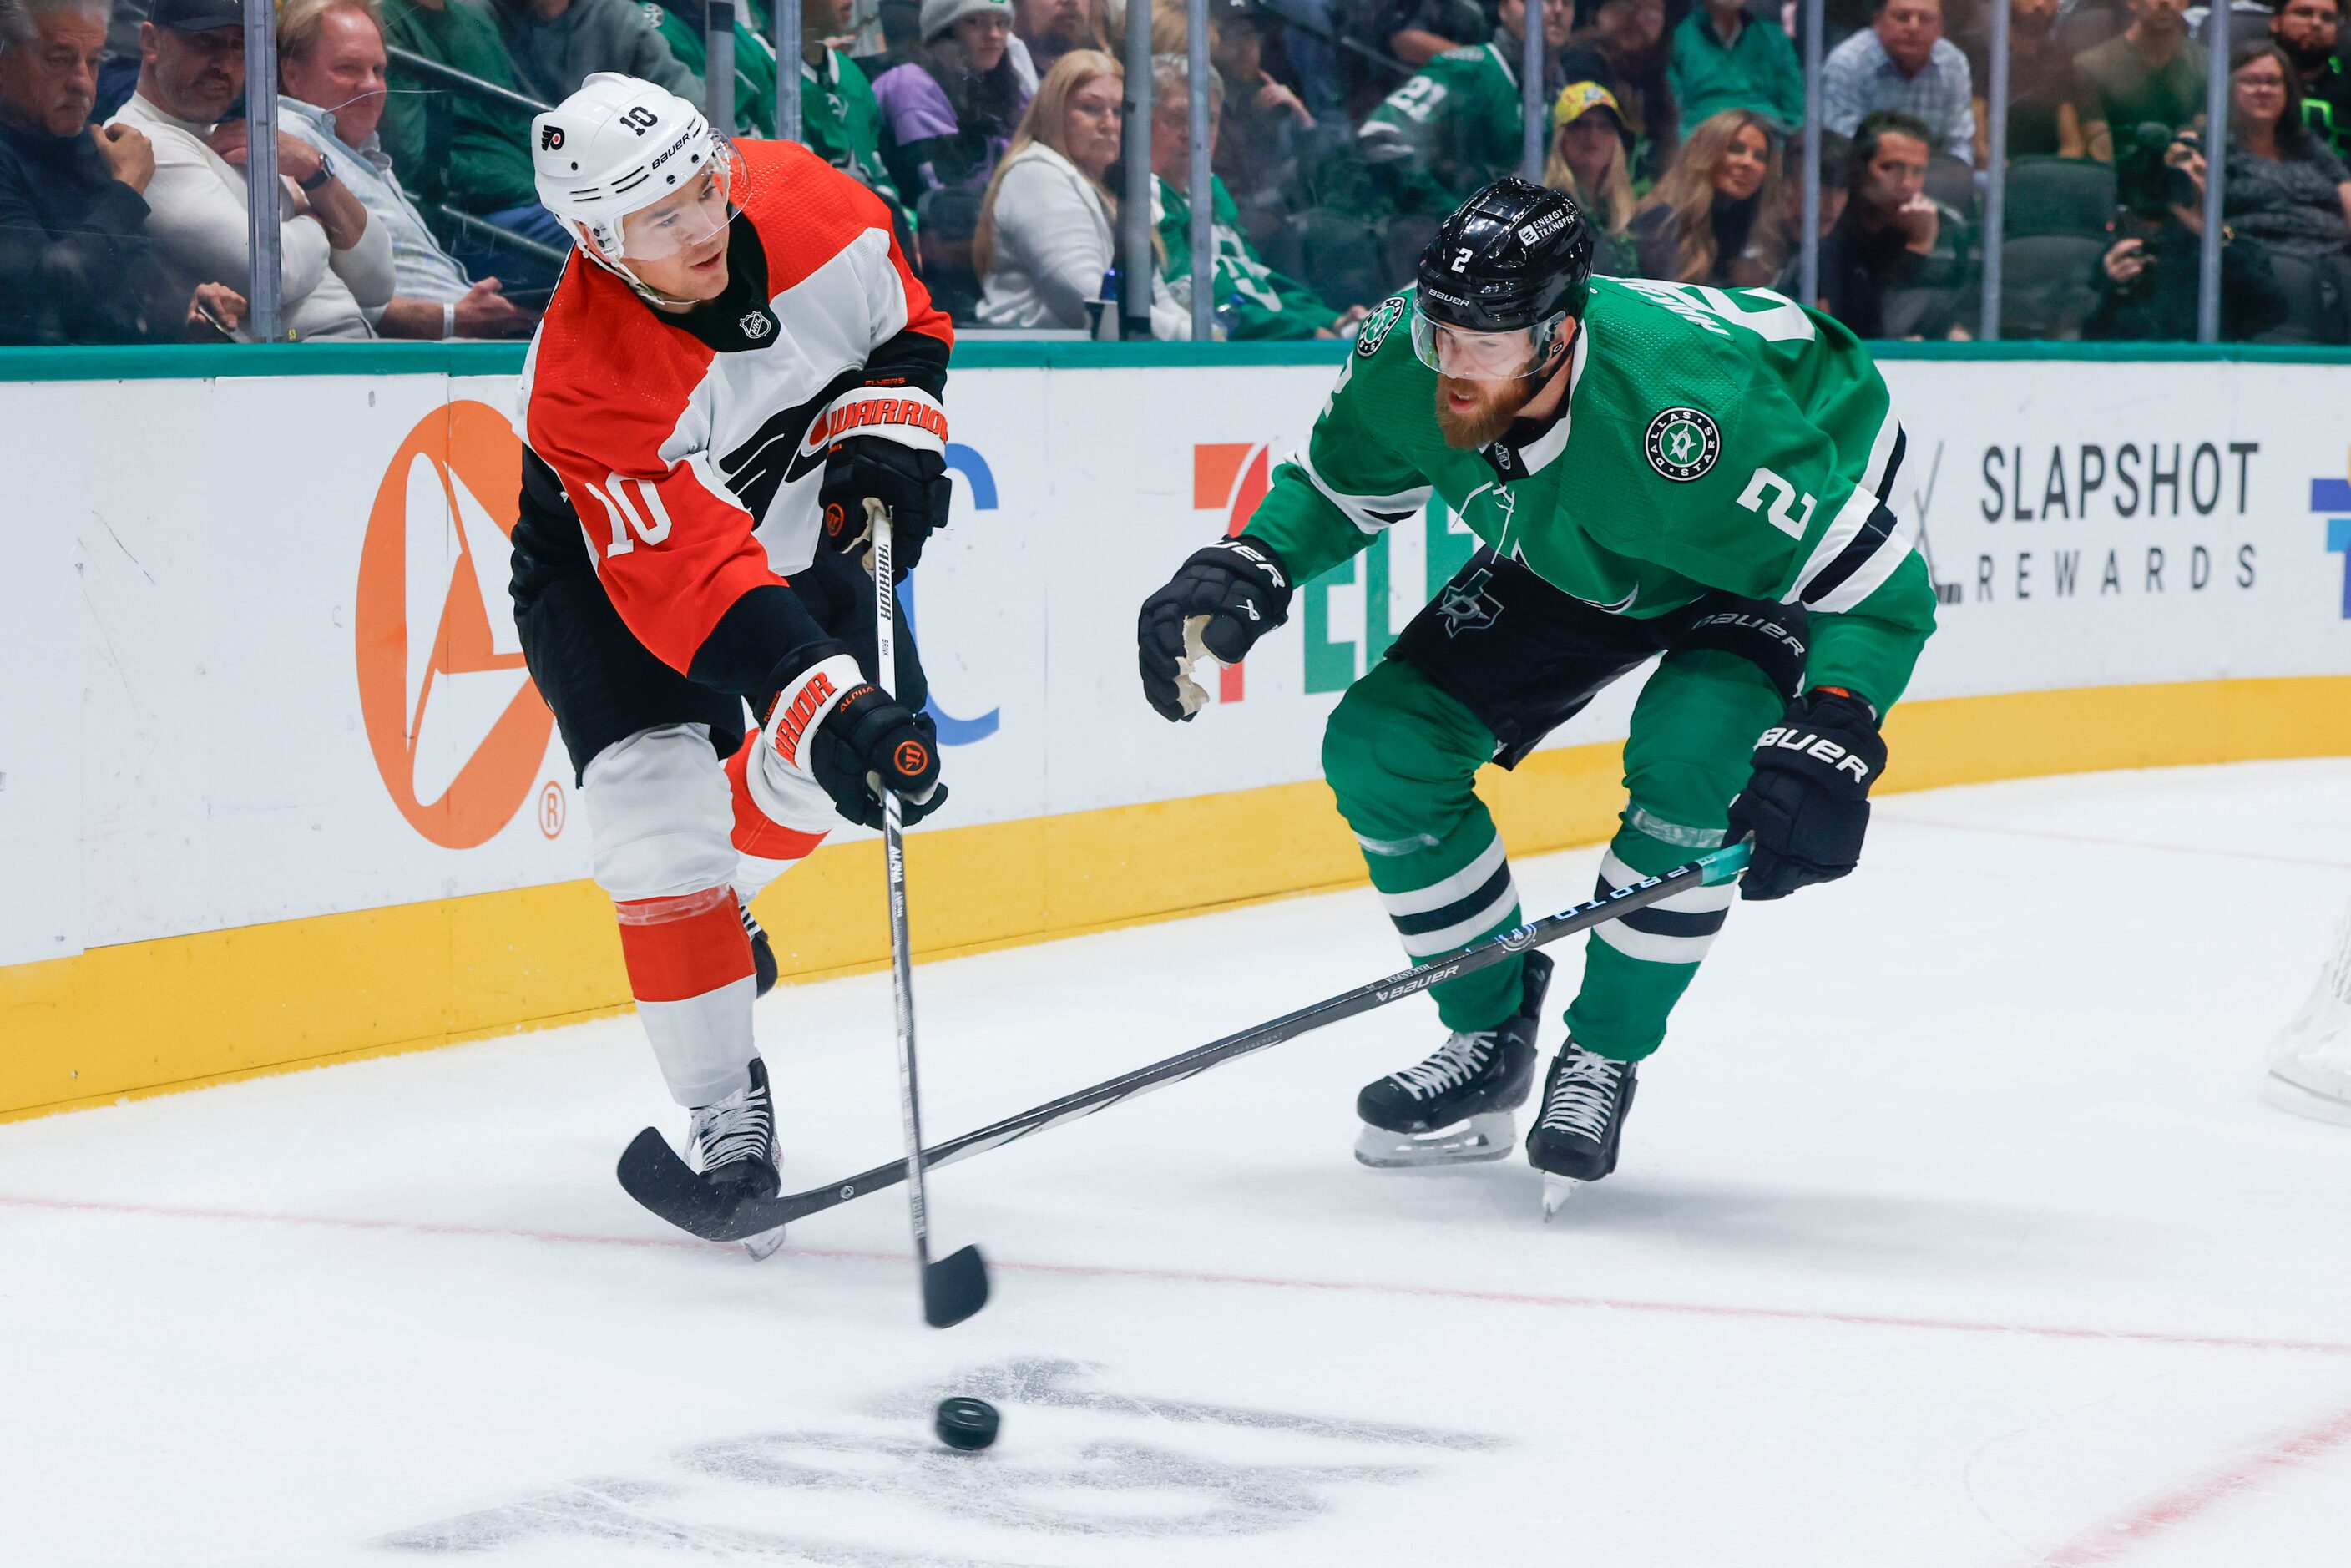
617	145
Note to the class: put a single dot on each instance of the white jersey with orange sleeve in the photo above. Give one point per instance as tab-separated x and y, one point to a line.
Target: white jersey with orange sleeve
683	451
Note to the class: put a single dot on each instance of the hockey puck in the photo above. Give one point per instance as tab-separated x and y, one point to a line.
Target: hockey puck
965	1424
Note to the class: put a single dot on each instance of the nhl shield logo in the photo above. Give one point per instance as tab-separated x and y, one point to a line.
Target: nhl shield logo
1683	443
757	325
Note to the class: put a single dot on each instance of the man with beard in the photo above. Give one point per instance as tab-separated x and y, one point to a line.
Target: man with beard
2307	30
1655	470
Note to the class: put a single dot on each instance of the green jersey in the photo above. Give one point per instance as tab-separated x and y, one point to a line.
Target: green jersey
841	125
1269	304
755	64
1453	128
1711	439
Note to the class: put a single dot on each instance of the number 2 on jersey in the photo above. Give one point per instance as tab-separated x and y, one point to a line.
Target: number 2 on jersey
1763	485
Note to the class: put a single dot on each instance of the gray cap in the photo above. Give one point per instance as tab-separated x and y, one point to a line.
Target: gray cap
196	15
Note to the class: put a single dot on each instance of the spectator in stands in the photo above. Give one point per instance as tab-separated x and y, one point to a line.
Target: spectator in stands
2153	72
1718	216
1723	57
118	75
1051	29
1415	32
1457	125
462	149
840	120
2286	188
1253	300
75	265
1624	50
1045	241
2052	112
2307	30
336	262
1903	62
1256	146
556	44
949	113
2147	279
1587	159
1888	227
331	76
684	27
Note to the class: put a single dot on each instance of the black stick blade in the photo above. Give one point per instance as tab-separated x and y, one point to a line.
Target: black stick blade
651	1172
954	1287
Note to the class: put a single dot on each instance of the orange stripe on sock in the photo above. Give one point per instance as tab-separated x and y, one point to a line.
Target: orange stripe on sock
756	833
678	948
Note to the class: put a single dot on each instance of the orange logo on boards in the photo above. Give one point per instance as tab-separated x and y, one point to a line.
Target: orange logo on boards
458	729
1232	476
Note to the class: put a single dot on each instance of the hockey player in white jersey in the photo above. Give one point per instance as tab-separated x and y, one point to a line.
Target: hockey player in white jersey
735	362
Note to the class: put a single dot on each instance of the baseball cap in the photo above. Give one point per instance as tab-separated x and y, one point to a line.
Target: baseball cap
196	15
1578	98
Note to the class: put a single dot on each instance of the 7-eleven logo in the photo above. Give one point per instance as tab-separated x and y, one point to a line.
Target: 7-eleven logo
2330	494
1230	477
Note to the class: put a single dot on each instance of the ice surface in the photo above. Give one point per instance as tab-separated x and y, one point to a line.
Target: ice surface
1952	1229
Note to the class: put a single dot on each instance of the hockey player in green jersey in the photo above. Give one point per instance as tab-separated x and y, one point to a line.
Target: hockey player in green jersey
1459	121
1654	470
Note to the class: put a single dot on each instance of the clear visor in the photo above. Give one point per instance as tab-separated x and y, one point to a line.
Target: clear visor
688	218
1469	356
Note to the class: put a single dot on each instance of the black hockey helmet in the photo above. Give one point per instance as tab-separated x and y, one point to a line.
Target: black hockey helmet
1515	256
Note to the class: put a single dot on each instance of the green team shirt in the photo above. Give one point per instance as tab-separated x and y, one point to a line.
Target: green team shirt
1711	439
1450	130
755	65
842	125
1270	306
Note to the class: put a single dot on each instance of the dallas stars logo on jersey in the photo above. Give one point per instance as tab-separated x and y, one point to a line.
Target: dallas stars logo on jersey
1683	443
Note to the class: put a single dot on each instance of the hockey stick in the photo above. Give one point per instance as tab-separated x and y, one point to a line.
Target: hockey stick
753	1215
955	1286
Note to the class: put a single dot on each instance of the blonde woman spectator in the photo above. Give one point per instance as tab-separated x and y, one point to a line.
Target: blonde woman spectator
1718	215
335	262
1587	160
1048	225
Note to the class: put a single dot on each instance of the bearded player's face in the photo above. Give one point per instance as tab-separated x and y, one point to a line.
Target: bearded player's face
1470	414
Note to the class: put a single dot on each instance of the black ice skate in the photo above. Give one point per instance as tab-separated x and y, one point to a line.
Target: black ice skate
735	1149
1454	1107
763	953
1584	1104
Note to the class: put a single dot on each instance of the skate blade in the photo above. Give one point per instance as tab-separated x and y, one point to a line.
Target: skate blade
1491	1136
765	1245
1557	1190
2288	1095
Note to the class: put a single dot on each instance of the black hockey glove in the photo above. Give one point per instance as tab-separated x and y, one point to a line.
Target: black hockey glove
911	483
1807	802
869	743
1219	603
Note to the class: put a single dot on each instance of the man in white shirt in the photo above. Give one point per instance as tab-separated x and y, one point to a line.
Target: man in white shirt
335	262
330	78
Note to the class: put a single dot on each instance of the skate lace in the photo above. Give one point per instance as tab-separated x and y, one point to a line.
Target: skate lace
1583	1095
737	1128
1461	1058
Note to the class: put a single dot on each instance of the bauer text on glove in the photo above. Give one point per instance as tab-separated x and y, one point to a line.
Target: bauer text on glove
1219	603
